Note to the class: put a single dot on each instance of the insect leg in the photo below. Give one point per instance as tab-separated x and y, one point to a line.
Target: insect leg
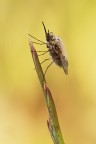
37	39
45	60
48	67
40	51
38	43
43	53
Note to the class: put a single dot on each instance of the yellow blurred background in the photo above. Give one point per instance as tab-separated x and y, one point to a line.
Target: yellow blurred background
23	112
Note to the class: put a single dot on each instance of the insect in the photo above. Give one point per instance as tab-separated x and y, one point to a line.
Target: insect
56	50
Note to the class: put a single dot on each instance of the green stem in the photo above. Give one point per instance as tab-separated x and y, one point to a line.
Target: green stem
53	123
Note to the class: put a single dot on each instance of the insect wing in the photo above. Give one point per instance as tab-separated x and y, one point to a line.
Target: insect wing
65	64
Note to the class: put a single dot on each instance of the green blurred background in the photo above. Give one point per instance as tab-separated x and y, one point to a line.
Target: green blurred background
23	113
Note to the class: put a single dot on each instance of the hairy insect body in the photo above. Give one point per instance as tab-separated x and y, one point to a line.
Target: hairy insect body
57	51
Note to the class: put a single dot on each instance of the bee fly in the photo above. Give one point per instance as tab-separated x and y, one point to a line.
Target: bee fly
56	50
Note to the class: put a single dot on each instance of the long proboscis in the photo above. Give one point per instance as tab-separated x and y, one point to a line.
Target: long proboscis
44	28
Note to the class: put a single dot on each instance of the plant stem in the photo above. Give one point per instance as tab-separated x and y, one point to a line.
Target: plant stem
53	123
